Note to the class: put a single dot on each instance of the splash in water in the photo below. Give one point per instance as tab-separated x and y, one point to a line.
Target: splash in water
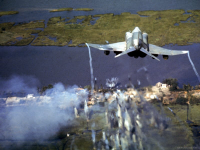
91	69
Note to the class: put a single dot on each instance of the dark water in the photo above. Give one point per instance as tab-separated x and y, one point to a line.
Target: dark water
71	65
37	9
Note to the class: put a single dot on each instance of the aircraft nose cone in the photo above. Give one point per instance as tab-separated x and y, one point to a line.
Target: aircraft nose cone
137	29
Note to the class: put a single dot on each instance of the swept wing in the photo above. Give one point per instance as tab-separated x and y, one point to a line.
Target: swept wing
120	46
153	49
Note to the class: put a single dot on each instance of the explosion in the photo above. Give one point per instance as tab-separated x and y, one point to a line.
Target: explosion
114	119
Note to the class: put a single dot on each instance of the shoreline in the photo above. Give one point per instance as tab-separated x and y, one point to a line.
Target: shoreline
97	28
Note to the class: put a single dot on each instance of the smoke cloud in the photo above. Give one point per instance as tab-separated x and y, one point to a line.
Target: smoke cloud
27	84
125	119
37	117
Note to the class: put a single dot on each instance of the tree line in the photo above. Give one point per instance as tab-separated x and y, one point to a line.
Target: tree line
174	85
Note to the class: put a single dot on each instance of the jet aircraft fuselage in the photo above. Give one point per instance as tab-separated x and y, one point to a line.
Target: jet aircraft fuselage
137	38
136	45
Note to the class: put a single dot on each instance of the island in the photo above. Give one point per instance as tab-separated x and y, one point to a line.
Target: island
2	13
163	27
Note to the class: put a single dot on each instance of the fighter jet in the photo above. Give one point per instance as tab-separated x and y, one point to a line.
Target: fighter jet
136	45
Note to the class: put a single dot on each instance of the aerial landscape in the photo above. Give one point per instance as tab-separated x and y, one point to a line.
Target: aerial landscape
62	87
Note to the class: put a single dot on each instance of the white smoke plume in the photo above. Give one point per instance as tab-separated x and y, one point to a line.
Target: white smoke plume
91	69
127	124
39	117
26	84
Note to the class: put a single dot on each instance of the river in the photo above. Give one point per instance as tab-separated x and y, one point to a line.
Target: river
70	65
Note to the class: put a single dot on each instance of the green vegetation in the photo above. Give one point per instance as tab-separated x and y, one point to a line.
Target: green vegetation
2	13
181	101
174	85
79	136
194	100
187	87
197	87
44	88
88	87
188	94
20	34
83	9
113	27
172	82
181	111
96	29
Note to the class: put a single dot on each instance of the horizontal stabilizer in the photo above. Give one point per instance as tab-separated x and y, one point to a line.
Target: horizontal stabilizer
126	52
146	52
